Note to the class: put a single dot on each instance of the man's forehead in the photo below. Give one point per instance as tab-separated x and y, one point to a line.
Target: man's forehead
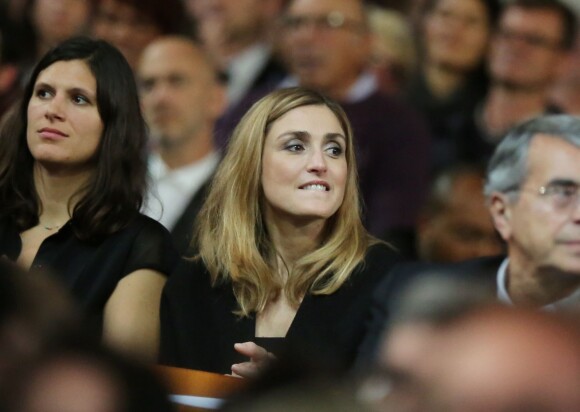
551	156
552	143
349	8
172	57
526	18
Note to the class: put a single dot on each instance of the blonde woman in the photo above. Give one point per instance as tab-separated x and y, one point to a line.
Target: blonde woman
284	259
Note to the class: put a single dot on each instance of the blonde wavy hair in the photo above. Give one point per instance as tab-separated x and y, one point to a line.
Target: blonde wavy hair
231	232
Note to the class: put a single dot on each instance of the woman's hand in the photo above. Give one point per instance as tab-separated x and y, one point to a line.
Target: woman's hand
260	358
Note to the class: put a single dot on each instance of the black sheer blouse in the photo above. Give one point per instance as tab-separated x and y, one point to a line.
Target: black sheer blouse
91	271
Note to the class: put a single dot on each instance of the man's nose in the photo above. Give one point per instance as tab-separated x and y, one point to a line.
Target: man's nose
160	92
575	208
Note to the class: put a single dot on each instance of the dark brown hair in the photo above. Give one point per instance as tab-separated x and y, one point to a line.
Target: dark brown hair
114	193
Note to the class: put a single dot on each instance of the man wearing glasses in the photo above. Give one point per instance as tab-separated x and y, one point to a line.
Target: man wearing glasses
531	43
533	193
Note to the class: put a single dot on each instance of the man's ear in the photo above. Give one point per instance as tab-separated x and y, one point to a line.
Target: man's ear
8	76
500	210
561	65
218	100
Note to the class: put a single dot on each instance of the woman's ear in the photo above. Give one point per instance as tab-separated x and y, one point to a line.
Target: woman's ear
500	210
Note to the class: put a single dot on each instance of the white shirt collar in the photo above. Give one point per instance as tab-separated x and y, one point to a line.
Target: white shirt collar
158	170
243	70
501	279
365	85
170	191
504	297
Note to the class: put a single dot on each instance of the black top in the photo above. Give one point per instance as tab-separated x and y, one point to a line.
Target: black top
447	117
476	144
198	328
91	271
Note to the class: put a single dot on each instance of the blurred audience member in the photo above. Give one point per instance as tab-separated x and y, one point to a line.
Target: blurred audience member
533	39
181	99
237	34
130	25
54	21
533	193
393	55
451	78
419	315
85	377
566	91
13	9
35	314
327	46
10	67
478	357
72	179
454	223
503	359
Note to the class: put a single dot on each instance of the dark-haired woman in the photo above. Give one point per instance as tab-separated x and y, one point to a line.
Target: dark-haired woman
451	79
72	175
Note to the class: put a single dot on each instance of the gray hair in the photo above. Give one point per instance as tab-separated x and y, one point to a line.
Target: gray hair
438	299
507	168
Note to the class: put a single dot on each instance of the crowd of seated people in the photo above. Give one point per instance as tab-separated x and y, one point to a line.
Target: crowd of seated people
222	185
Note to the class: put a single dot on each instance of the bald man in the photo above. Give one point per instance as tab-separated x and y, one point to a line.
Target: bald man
181	99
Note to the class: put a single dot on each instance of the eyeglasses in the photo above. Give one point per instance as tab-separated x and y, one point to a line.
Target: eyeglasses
534	40
562	195
332	21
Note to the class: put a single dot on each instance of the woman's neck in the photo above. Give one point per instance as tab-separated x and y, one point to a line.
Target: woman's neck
57	193
292	241
442	81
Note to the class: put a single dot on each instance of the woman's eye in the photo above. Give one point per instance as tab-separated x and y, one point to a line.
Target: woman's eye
42	93
334	151
295	147
80	99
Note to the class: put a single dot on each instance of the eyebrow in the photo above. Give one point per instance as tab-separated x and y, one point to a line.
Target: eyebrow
563	182
80	90
73	90
303	133
329	136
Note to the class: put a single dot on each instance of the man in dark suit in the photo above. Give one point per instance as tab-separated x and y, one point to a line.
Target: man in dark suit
181	98
237	35
533	193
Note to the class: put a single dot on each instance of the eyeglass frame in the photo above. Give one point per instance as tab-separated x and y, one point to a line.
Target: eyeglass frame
530	39
550	190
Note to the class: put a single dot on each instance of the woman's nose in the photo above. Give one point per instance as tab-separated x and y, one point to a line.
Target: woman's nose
317	161
54	109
